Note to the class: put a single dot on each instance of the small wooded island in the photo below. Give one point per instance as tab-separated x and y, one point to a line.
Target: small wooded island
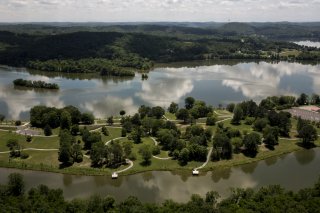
35	84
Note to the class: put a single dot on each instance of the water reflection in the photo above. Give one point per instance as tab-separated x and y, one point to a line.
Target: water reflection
214	83
159	186
304	158
249	168
163	91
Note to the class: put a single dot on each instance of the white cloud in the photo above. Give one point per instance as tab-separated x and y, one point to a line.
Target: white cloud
155	10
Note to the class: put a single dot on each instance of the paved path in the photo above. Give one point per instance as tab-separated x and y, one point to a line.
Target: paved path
114	140
224	120
159	158
207	161
129	167
94	130
32	149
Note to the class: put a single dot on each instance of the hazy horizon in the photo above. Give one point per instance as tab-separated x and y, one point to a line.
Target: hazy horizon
108	11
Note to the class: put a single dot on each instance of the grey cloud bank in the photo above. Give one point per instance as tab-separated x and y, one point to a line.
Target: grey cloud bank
155	10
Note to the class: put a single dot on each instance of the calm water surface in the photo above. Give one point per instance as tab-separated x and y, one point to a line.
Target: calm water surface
214	83
293	171
308	43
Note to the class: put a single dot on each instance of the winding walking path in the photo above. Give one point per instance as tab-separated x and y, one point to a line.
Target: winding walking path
159	158
32	149
114	140
129	167
207	161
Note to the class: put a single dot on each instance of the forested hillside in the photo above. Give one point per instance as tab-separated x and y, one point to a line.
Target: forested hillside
138	47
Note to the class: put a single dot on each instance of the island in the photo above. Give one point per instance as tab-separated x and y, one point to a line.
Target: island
35	84
194	138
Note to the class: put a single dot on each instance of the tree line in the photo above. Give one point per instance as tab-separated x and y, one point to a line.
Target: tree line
35	84
15	198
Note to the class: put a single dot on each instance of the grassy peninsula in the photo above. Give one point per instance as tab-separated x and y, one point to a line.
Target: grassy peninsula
196	136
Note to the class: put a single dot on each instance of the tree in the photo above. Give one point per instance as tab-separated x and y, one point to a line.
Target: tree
105	131
211	121
145	152
122	112
136	120
2	117
16	184
144	111
237	115
75	129
14	147
251	142
189	102
127	148
65	150
110	120
303	99
157	112
123	132
117	152
65	120
47	130
260	124
301	123
173	108
136	135
18	123
237	143
271	136
29	138
184	156
97	153
87	118
308	134
74	113
76	153
90	139
315	99
183	114
230	107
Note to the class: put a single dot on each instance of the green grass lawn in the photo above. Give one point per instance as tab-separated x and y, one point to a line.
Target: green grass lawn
37	142
113	133
223	112
170	116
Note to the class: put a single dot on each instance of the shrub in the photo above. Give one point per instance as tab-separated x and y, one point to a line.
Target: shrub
156	150
18	123
24	155
28	138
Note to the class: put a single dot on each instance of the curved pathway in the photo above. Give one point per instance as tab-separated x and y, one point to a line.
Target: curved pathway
159	158
114	140
129	167
32	149
224	120
207	161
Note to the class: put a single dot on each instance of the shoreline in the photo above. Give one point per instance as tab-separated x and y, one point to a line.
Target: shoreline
94	172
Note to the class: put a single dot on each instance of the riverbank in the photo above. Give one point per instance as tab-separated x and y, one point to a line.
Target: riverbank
284	147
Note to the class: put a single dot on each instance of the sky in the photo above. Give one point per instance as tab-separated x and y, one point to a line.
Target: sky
159	10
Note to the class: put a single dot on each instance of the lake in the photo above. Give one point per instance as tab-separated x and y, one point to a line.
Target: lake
214	82
308	43
292	171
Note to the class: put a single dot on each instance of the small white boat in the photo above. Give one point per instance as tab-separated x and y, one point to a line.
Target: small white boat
195	172
114	175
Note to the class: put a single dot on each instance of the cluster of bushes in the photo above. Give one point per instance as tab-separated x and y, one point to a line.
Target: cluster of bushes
35	84
13	198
